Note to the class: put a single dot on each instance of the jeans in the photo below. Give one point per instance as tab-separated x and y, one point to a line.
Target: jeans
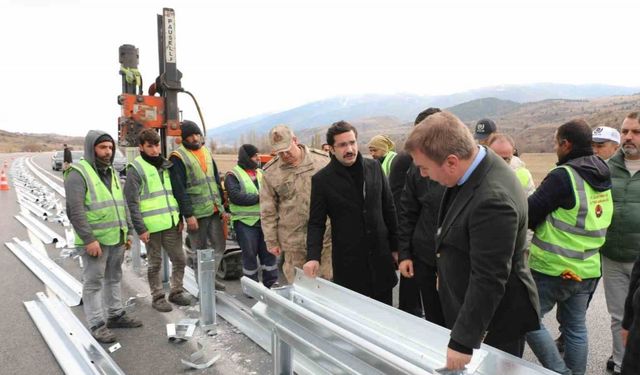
616	276
251	241
572	298
101	279
171	241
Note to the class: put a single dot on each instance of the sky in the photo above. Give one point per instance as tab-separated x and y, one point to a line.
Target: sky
241	58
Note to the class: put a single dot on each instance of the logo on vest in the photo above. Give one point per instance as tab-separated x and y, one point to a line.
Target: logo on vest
598	210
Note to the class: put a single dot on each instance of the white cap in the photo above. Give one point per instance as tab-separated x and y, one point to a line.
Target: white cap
605	133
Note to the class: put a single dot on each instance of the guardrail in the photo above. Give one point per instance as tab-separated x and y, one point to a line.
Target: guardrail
344	332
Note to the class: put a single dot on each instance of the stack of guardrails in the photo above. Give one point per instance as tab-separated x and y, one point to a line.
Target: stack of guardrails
338	331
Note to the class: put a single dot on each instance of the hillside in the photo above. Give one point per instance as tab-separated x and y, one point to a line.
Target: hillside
16	142
495	101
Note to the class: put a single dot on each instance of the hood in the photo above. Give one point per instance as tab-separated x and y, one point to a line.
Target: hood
594	170
516	163
89	143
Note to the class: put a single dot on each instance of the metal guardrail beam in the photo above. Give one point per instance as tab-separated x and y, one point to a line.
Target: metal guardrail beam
75	349
59	189
65	286
42	231
327	310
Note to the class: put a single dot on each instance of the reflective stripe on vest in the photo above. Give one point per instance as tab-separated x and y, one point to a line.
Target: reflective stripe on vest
106	212
201	187
248	215
571	239
386	163
158	207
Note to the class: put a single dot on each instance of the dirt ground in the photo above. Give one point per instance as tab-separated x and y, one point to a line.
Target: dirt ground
539	164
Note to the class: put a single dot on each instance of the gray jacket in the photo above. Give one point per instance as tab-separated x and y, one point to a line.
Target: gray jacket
76	189
132	195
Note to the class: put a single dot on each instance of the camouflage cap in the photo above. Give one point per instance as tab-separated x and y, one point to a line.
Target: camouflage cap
280	138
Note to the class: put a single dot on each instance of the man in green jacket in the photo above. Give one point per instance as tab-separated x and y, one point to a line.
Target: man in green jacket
97	211
155	217
381	148
622	245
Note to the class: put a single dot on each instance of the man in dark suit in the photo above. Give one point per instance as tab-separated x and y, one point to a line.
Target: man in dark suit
354	193
485	285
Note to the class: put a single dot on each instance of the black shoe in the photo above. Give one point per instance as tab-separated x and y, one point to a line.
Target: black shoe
180	299
102	334
560	343
123	321
610	364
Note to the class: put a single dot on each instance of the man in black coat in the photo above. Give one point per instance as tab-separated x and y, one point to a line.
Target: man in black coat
416	233
486	288
355	194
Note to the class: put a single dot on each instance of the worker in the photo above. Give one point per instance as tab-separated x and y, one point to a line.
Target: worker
621	247
504	146
155	216
97	211
196	187
569	212
381	148
326	148
354	194
284	201
67	159
417	206
485	287
483	130
605	141
631	325
243	186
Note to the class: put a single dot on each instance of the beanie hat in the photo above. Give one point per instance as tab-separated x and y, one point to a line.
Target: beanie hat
103	138
381	142
189	128
245	152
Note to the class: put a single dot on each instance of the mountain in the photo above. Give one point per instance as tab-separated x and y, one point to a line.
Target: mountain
404	107
486	107
27	142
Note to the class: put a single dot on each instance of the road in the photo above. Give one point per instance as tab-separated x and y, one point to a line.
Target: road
147	349
144	350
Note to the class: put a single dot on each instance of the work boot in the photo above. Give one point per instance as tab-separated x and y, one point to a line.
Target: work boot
123	321
610	364
220	286
180	299
102	334
161	304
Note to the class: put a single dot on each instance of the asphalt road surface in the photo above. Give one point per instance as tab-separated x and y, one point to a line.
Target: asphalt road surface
146	350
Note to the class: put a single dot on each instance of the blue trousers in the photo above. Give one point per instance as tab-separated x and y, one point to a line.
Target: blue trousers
572	298
251	240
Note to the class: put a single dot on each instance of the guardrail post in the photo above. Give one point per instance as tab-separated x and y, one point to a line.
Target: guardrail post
206	269
282	356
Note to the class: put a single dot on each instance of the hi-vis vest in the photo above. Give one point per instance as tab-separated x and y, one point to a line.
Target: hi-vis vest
202	188
386	163
105	209
523	176
248	215
158	207
571	239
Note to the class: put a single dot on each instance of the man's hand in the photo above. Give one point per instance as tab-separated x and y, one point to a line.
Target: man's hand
94	249
406	268
457	360
192	224
311	268
275	250
625	335
144	237
127	243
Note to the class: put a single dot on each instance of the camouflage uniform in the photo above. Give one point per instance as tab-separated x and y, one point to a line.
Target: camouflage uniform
284	210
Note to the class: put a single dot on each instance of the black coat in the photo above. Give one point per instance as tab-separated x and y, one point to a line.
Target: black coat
363	226
417	218
486	286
